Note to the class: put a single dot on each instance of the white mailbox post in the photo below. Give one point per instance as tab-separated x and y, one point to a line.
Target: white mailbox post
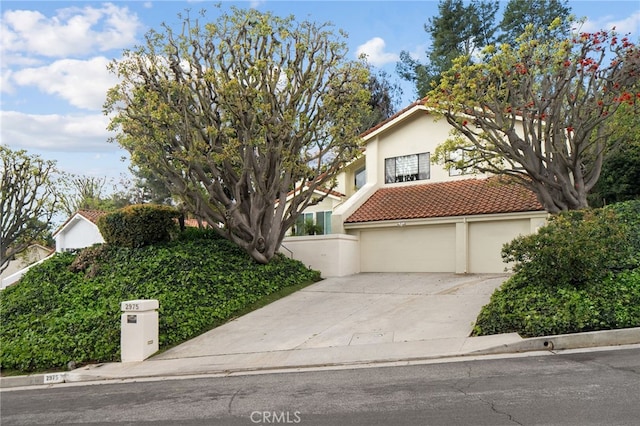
139	329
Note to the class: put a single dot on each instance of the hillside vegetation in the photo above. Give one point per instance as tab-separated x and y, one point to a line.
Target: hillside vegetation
68	308
581	272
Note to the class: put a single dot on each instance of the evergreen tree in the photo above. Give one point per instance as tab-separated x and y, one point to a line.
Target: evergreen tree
458	30
541	13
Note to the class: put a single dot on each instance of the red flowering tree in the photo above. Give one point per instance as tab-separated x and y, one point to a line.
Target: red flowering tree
537	111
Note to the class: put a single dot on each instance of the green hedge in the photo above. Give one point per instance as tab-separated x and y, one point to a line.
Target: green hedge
581	272
139	225
69	310
531	310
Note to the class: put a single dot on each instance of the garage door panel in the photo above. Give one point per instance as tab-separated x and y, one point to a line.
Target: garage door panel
408	249
486	240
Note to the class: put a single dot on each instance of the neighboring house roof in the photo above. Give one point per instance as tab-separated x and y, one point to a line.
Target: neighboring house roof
444	199
330	192
90	215
193	223
40	247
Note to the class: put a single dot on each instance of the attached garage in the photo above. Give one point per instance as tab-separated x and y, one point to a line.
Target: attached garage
457	226
408	249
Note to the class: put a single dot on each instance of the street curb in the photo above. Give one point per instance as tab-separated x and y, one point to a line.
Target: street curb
32	380
590	339
18	381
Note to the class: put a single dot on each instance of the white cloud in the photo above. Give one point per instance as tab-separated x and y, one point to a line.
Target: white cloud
72	31
374	51
53	132
630	24
83	84
5	81
419	53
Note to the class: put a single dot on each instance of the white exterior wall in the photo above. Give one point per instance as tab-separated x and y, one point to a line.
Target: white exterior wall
78	233
421	132
334	255
345	180
328	204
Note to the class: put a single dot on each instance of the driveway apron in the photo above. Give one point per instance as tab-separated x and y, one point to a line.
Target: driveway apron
361	309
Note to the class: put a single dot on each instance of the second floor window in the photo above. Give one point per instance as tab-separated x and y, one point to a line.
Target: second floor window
360	178
406	168
456	156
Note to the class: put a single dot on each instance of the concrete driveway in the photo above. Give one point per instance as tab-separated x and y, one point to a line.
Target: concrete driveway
363	309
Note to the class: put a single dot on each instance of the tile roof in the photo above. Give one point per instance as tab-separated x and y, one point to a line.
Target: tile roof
319	189
193	223
444	199
92	215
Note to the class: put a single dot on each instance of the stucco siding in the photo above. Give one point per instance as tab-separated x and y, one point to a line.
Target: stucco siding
408	249
78	234
417	134
486	240
334	255
328	204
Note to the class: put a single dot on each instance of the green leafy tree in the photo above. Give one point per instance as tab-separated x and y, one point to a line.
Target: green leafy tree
82	192
28	201
149	187
236	113
457	30
538	111
90	193
620	177
384	99
540	13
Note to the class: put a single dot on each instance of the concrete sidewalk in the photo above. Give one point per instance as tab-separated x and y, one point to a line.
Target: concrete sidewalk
357	320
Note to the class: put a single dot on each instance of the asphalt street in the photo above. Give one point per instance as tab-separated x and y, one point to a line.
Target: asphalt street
593	387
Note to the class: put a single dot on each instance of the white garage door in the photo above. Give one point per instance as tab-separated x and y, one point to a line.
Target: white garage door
408	249
486	240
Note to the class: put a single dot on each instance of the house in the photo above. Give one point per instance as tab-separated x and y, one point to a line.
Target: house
22	262
395	211
79	231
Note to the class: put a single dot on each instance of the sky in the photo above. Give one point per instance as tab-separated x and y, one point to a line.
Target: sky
53	58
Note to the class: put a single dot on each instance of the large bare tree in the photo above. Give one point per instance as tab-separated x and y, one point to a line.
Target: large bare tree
28	199
236	113
538	111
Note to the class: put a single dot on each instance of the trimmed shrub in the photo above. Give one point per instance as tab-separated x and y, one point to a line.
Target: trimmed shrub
531	310
581	272
579	247
139	225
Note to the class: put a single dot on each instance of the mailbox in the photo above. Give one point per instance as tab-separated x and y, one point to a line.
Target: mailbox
139	329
